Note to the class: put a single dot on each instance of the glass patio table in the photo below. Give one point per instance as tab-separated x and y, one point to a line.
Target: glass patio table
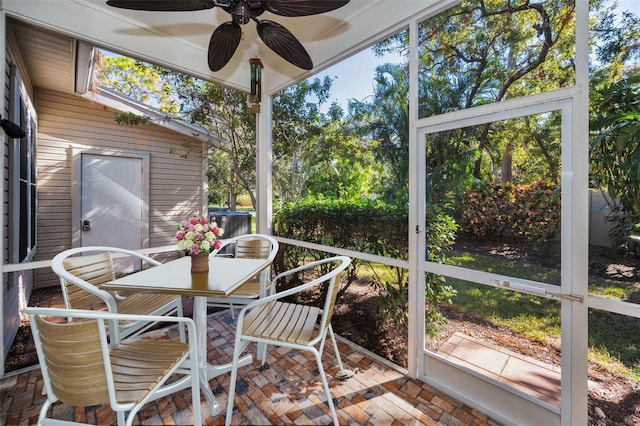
175	277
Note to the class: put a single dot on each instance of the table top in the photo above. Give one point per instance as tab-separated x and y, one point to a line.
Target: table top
175	277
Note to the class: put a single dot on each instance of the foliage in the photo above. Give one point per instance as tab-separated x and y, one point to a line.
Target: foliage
385	120
527	212
362	225
131	119
483	52
615	152
370	226
315	152
139	80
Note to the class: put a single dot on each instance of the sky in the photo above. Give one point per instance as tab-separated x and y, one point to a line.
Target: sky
353	77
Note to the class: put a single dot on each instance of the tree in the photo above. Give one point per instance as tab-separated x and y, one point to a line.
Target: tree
138	80
222	111
483	52
385	121
315	152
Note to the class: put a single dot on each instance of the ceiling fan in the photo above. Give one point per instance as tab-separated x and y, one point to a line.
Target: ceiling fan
226	38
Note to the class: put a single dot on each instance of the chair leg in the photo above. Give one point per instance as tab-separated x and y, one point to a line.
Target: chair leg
121	419
237	351
325	384
181	327
261	352
233	316
343	374
43	411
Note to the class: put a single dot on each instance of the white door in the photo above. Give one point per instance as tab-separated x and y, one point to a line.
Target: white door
112	201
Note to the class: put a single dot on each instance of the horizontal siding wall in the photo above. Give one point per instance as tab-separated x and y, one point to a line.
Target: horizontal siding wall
68	122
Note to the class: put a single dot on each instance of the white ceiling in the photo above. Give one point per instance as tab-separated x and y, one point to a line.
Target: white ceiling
179	40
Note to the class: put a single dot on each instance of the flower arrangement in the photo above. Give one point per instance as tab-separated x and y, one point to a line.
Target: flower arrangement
196	235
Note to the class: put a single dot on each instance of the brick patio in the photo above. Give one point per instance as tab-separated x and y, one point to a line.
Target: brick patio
288	392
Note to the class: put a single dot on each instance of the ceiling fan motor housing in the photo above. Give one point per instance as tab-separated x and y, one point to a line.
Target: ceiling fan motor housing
242	11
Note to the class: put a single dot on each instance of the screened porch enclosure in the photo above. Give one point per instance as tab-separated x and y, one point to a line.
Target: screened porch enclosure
564	289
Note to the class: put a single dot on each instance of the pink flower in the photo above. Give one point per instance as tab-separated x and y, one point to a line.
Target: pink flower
196	235
217	244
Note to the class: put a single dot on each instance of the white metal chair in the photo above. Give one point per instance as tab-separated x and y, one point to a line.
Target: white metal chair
82	367
248	246
81	277
271	321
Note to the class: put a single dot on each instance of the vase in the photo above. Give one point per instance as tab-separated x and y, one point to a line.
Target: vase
200	262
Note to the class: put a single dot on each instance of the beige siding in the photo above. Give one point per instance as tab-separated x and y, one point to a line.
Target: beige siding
68	122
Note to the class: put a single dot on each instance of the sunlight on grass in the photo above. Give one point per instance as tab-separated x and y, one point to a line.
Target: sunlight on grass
531	316
602	357
613	339
498	265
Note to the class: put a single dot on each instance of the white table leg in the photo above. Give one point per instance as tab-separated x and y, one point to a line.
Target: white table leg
207	370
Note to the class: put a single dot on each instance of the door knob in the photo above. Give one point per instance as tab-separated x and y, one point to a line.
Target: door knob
86	226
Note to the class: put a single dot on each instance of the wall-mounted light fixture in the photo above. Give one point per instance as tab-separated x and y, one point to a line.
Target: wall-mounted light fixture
12	129
256	84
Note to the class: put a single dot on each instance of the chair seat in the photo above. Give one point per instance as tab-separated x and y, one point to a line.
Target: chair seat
140	364
283	322
144	304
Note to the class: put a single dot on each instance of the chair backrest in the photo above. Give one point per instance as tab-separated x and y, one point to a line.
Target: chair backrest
71	360
251	246
93	270
331	270
81	276
81	366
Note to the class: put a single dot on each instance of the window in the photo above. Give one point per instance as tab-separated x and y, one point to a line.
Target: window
22	175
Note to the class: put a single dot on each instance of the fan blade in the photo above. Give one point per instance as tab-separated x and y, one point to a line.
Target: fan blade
163	5
302	7
285	44
224	42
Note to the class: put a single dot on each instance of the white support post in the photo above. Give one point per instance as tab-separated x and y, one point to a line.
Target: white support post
264	171
575	235
417	222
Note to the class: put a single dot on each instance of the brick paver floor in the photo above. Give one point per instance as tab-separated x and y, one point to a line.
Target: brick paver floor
288	392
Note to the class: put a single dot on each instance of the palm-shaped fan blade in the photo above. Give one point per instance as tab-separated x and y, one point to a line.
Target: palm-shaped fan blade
223	44
163	5
302	7
285	44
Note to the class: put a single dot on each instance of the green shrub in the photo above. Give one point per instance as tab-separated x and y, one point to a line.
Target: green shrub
368	226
